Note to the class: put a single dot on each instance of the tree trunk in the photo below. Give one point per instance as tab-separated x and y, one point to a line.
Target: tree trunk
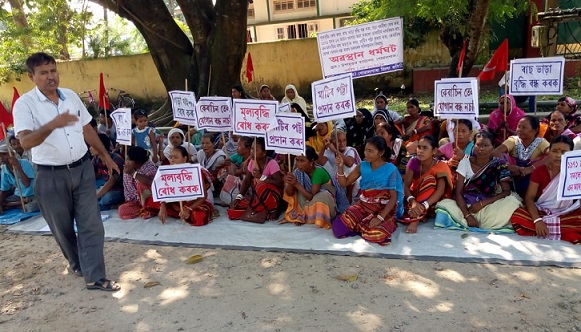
475	27
18	14
219	33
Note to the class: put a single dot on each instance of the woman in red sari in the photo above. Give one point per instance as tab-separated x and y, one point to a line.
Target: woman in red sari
262	187
195	213
426	181
544	215
416	125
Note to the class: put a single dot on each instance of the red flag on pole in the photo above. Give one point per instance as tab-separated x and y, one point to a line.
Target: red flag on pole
103	96
249	68
5	118
498	62
461	59
15	97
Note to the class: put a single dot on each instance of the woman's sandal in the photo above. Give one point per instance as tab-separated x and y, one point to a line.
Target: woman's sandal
104	285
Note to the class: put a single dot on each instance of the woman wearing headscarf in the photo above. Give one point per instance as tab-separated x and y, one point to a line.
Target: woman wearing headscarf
323	132
264	93
175	138
357	129
503	121
291	96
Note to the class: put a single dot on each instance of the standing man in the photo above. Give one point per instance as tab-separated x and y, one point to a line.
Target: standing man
54	123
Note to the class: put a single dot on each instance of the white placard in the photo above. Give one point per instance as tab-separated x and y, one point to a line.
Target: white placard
284	107
456	98
287	134
537	76
570	176
122	120
364	50
333	98
252	117
173	183
214	114
183	105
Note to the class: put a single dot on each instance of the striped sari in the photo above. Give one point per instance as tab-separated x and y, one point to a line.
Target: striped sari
563	218
356	219
424	186
321	209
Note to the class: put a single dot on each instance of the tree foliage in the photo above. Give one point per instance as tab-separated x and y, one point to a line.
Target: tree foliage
457	20
210	60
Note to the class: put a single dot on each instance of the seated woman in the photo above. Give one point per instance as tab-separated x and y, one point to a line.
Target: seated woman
525	152
557	126
176	137
235	169
211	159
195	213
357	129
426	181
313	196
544	215
110	188
503	121
322	132
568	106
462	146
138	174
351	158
416	125
389	133
483	199
261	190
381	200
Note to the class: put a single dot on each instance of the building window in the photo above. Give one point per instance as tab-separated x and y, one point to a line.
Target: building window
291	32
303	33
283	5
249	36
251	12
306	3
313	28
280	33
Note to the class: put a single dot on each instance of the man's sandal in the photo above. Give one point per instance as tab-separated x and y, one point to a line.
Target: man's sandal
104	285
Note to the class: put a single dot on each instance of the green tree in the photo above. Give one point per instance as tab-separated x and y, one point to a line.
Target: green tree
215	55
457	20
29	26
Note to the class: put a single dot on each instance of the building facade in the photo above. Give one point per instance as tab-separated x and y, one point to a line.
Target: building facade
270	20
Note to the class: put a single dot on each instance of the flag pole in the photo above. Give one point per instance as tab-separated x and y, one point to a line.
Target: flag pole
105	112
189	138
505	103
457	122
13	168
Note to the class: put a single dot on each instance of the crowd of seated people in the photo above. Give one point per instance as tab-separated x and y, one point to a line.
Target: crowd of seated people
376	172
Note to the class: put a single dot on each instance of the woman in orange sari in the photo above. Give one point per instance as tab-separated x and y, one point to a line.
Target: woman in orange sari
416	125
426	181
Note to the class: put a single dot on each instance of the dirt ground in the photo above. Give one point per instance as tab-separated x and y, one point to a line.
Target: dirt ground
234	290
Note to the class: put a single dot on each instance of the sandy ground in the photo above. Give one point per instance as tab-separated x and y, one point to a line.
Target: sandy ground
233	290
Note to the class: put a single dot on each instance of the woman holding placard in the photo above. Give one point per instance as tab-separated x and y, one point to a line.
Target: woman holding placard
525	151
544	215
426	181
483	199
323	132
313	196
462	145
381	200
261	190
195	213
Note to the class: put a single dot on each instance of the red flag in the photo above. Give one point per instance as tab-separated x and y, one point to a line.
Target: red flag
461	59
498	62
103	96
5	118
249	68
15	97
